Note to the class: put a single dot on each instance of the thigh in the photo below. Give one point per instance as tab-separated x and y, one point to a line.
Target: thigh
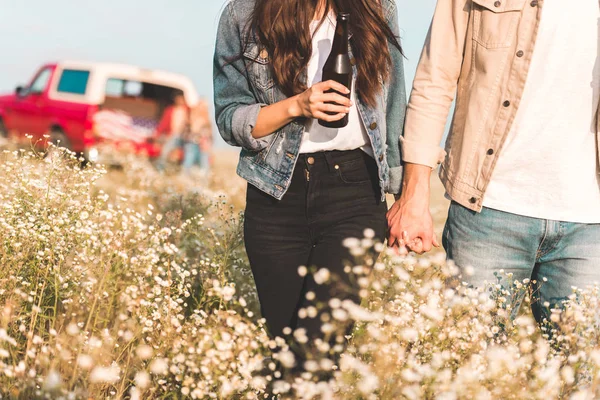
574	262
489	245
277	243
331	252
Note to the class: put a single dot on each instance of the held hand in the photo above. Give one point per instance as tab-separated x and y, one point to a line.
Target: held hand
411	225
316	103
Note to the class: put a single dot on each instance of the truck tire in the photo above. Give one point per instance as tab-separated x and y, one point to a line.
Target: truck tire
60	142
59	139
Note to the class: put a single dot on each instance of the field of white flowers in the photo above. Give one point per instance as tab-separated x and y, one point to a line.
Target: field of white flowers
130	285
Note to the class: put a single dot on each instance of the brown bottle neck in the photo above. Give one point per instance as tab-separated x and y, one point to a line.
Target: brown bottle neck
340	41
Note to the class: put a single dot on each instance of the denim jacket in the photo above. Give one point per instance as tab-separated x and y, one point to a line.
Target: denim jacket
243	83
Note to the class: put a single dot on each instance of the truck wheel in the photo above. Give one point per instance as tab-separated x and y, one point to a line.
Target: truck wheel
59	139
60	143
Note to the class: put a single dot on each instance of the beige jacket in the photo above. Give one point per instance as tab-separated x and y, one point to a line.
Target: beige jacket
481	51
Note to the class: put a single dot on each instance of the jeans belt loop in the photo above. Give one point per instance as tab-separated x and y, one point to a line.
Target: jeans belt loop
331	163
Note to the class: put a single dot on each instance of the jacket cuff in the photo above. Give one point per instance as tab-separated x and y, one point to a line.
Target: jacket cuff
422	154
242	124
396	175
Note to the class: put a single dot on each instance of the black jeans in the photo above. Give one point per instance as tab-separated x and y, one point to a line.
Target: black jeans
333	195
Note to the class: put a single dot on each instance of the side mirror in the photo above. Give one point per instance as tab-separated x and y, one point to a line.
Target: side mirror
19	90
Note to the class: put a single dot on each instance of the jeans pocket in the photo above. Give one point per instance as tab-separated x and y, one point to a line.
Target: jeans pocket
355	172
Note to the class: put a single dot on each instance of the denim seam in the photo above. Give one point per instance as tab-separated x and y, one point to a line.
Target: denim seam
539	253
553	244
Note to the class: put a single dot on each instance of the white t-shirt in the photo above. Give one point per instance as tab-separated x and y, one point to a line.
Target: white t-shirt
319	138
548	166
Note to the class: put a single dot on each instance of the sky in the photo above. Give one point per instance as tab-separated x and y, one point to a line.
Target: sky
176	36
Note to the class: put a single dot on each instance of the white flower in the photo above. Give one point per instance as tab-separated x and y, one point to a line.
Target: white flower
105	374
159	366
52	381
286	358
351	243
85	361
409	334
369	233
142	379
144	352
322	276
568	374
72	329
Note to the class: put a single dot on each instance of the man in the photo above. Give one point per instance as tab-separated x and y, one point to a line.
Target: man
522	155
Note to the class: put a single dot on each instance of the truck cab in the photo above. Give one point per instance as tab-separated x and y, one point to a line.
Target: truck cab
65	100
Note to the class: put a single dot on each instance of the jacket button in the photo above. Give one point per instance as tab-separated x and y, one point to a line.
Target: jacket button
264	54
310	160
373	126
534	3
520	53
472	200
497	4
381	157
490	152
353	61
506	103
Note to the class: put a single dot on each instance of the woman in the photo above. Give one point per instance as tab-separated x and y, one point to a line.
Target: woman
309	187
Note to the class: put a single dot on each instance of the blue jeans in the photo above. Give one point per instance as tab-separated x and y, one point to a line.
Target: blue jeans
193	156
556	255
173	142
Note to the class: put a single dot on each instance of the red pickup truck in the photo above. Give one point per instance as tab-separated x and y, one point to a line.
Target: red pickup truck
84	104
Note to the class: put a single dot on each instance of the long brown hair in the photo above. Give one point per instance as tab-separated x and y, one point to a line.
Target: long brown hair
282	27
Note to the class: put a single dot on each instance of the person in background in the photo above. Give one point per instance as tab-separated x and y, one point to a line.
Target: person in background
174	123
198	141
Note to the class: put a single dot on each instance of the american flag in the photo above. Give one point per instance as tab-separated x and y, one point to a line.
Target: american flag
119	126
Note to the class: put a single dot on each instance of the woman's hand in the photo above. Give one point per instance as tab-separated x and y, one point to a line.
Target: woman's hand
313	103
409	220
316	103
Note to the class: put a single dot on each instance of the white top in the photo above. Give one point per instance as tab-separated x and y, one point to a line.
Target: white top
316	137
548	168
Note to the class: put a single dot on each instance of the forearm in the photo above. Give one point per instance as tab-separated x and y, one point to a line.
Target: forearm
273	117
416	183
435	84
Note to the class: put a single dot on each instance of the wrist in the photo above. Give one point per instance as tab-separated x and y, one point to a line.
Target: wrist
294	110
416	188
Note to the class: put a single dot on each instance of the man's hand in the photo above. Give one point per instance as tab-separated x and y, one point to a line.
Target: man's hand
409	220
